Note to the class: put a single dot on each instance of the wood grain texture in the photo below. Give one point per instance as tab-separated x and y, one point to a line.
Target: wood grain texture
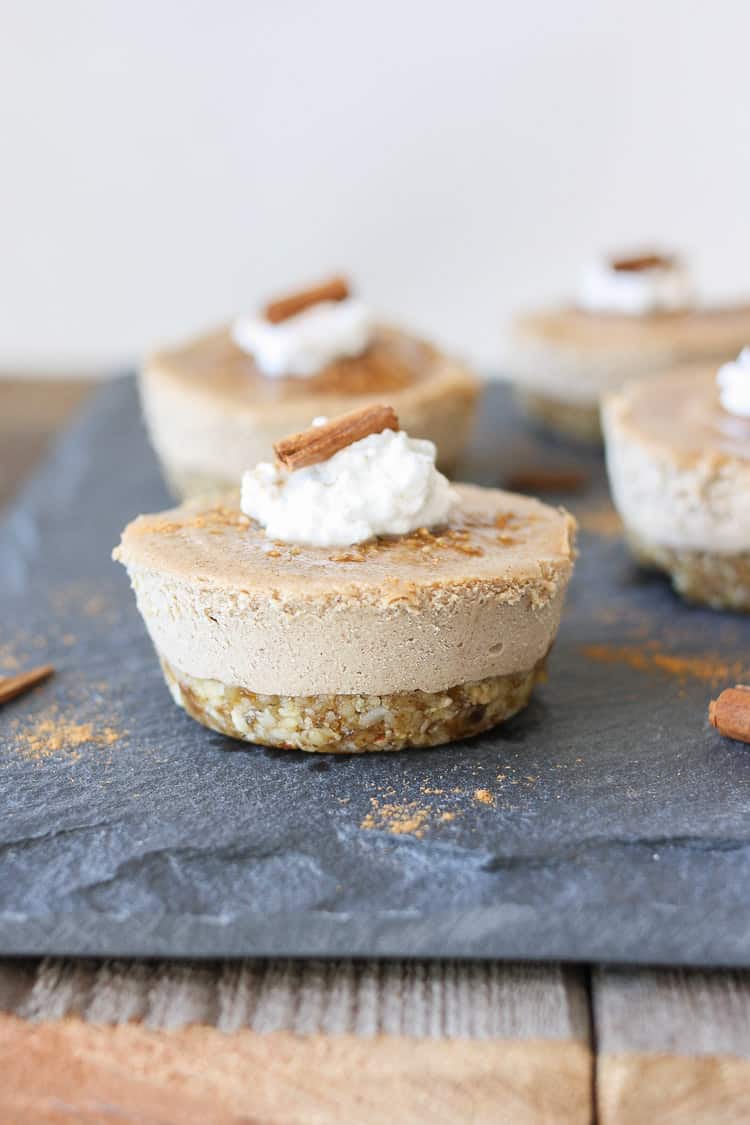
31	413
672	1046
294	1042
422	1000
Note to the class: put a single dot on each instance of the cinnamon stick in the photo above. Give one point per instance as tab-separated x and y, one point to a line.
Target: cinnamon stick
642	262
321	442
335	289
11	686
730	713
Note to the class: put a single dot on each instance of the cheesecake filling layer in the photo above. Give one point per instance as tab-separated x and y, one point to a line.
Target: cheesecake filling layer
424	612
575	357
679	465
345	648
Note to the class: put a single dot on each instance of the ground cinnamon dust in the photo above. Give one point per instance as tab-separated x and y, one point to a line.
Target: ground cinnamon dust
399	818
709	667
51	733
413	818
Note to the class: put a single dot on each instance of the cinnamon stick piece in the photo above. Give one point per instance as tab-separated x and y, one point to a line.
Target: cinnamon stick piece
335	289
730	713
321	442
643	262
11	686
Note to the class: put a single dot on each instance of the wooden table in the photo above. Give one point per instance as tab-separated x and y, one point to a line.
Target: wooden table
368	1042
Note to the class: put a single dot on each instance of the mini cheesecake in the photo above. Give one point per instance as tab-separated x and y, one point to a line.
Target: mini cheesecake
679	470
212	409
405	640
634	317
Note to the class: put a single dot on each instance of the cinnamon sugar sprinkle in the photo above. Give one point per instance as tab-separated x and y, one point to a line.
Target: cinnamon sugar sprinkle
414	817
400	818
425	544
50	733
708	667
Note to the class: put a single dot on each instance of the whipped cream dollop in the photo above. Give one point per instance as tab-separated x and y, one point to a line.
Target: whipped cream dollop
384	484
635	286
734	385
304	344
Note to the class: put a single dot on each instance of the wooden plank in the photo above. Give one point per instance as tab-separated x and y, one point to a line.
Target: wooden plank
297	1042
31	412
673	1046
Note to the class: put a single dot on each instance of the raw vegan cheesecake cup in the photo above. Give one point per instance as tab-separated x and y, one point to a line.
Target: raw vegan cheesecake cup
431	631
634	316
216	404
678	457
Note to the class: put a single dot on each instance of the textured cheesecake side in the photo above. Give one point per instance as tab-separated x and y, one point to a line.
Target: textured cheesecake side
687	514
206	438
421	613
563	361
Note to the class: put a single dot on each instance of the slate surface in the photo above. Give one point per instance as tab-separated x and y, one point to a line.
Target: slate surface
613	823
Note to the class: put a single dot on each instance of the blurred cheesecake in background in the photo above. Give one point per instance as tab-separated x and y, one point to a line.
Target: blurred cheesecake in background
217	404
632	316
678	457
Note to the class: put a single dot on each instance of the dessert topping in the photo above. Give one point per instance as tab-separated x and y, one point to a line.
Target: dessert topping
730	713
635	285
11	686
303	333
734	385
641	262
337	289
325	438
375	480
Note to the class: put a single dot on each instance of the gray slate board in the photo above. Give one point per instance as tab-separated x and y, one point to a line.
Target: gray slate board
618	827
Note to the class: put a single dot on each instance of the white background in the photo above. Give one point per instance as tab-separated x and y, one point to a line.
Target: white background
163	164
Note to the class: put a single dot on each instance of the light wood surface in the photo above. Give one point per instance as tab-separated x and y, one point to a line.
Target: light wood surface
282	1042
31	413
673	1046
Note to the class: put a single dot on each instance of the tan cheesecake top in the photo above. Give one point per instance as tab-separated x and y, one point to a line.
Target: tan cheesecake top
689	333
425	611
495	538
214	364
680	413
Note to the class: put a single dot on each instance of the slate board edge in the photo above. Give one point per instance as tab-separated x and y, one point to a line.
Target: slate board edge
507	934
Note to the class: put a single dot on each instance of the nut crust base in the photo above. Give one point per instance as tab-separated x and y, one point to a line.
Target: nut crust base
718	581
353	724
569	419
